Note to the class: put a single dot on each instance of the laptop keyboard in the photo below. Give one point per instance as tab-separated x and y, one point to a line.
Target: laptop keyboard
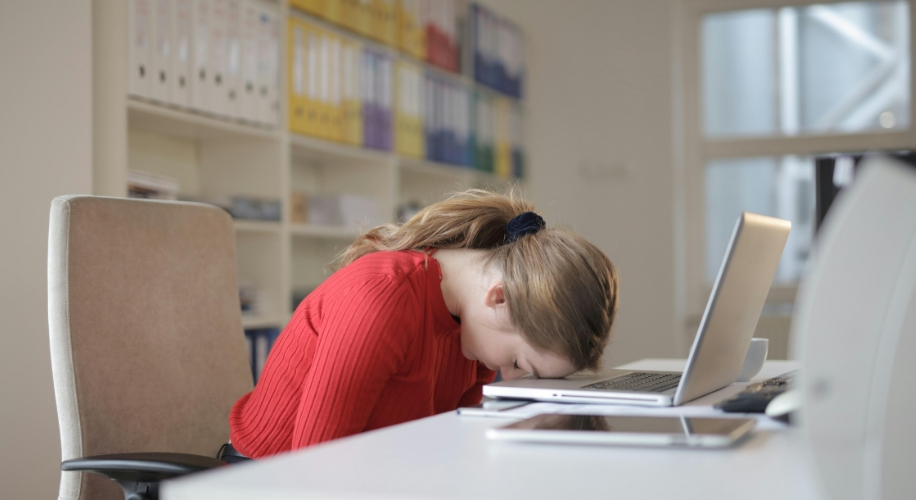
638	381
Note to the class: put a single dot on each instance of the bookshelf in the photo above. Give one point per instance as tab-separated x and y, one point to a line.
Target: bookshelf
214	156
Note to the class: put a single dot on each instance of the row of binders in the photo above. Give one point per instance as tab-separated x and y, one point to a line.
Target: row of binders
425	29
219	57
346	91
496	51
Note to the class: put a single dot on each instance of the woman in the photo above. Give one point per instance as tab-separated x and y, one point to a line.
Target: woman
420	316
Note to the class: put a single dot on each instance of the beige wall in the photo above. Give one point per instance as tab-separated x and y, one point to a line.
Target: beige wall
45	151
601	149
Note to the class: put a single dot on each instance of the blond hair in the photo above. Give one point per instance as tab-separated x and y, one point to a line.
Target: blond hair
560	289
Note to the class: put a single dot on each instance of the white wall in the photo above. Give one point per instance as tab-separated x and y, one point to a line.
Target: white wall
45	151
601	148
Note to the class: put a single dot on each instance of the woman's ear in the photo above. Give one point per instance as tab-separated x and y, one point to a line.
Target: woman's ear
496	295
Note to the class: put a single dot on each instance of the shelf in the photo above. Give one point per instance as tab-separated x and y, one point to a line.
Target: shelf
426	167
161	119
321	150
264	320
256	226
325	232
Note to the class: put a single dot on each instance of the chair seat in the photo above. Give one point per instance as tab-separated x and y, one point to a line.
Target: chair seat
142	467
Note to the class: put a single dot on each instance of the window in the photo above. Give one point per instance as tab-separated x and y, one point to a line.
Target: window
766	86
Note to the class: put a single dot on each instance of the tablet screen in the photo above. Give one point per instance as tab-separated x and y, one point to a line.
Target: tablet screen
687	426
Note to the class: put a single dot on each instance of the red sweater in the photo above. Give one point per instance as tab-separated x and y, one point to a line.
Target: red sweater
373	346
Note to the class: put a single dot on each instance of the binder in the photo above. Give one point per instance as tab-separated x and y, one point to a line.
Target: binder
201	58
161	54
503	139
268	66
410	36
217	98
350	93
370	103
182	36
518	152
297	48
312	124
363	17
139	54
325	108
409	137
386	102
233	73
483	133
335	76
249	102
314	7
383	21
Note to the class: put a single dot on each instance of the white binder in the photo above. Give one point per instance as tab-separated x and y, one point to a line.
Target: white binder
161	55
201	71
268	66
218	96
234	59
248	84
139	34
182	35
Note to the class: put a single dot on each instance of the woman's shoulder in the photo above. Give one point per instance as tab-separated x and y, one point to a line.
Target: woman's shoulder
392	264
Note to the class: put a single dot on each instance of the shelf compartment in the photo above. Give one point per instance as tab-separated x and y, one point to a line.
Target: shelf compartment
313	149
256	226
250	321
161	119
324	232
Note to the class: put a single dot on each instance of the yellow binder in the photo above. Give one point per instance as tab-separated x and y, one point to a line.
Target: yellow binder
411	37
409	138
335	101
316	7
503	139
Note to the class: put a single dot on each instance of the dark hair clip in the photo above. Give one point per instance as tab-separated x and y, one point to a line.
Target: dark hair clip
523	225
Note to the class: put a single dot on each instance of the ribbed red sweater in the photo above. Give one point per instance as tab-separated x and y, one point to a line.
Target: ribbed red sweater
373	346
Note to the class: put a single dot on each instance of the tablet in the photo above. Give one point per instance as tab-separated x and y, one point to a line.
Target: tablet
700	432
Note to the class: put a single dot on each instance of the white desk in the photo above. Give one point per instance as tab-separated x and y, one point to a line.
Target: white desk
448	457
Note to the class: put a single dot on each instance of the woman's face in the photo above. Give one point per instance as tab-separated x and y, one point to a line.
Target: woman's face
487	335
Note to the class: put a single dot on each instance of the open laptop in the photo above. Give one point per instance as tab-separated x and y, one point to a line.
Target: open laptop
718	350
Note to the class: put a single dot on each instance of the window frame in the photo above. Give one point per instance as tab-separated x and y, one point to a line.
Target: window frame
693	150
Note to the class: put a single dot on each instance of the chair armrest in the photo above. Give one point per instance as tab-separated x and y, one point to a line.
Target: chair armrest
140	472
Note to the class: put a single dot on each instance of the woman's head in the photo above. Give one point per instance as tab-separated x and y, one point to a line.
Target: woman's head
560	290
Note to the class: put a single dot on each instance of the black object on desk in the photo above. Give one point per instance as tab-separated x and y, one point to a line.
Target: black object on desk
755	397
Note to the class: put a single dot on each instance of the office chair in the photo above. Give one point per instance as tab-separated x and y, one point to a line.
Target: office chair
147	346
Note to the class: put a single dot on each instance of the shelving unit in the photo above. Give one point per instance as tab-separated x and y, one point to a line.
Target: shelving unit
215	157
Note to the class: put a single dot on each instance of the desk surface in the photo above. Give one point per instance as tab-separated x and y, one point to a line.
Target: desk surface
449	457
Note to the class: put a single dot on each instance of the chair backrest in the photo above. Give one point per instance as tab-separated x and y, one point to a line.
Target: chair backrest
147	347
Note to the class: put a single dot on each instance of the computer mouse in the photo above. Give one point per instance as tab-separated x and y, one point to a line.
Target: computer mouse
784	404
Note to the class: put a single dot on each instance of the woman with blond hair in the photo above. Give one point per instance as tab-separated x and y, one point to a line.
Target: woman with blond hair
418	317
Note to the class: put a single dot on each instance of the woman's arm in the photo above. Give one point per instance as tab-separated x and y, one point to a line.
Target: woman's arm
363	340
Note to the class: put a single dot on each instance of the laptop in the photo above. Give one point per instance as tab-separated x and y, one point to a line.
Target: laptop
718	350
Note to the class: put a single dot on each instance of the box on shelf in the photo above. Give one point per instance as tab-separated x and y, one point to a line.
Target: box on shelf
243	207
152	186
298	207
348	210
252	299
